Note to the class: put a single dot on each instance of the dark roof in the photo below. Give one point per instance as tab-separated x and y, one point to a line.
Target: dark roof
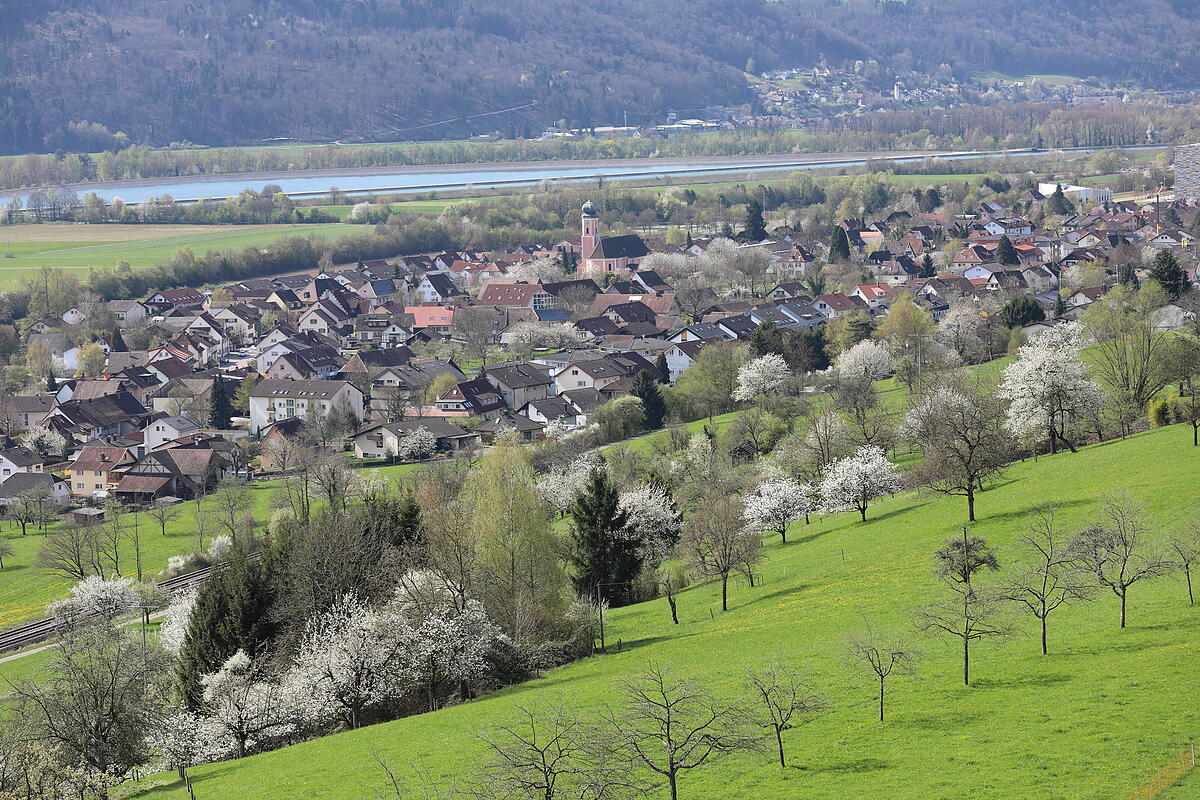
276	387
21	456
518	376
628	246
21	482
442	284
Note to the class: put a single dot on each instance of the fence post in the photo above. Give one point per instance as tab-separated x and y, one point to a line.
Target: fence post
1193	755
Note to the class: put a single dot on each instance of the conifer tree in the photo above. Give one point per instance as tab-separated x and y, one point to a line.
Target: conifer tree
839	249
605	560
220	415
1168	273
1006	254
766	339
116	343
646	389
927	268
756	228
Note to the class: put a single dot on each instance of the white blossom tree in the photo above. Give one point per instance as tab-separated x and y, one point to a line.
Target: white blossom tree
240	700
869	360
761	377
1048	388
96	598
173	630
538	270
559	487
416	444
351	658
44	441
652	520
449	644
854	481
776	502
186	739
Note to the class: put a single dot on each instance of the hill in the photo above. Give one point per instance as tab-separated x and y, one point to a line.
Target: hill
1094	719
239	71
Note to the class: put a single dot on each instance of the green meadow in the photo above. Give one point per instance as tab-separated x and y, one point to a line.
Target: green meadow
1096	718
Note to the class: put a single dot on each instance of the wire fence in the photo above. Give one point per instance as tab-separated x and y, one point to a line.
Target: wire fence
1168	775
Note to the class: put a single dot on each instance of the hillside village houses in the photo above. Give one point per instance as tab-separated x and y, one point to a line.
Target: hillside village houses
367	341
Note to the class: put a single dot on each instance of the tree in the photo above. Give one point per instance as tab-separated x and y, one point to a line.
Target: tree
605	559
805	350
762	377
93	699
1167	272
351	658
417	444
783	697
474	326
1006	254
928	270
766	339
962	439
839	249
45	442
717	544
1021	311
1186	548
245	704
95	599
33	506
1111	548
854	481
646	389
882	657
241	400
776	502
670	578
670	725
709	383
220	407
652	521
92	360
865	362
1048	388
6	551
968	613
904	320
1050	577
1057	202
756	229
1134	361
185	739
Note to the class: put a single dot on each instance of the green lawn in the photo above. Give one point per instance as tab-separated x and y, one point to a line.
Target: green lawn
1095	719
77	248
402	207
25	588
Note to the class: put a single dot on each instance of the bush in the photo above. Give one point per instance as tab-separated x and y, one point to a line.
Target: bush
1162	412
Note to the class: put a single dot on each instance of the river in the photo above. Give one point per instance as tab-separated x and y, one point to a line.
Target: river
399	180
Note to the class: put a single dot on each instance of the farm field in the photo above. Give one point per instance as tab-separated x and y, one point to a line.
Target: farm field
78	247
1096	718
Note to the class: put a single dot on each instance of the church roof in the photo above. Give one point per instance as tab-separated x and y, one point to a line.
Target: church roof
628	246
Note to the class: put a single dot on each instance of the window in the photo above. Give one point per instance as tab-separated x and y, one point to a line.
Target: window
79	486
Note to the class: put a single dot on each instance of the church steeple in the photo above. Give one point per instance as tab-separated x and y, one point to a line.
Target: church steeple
590	230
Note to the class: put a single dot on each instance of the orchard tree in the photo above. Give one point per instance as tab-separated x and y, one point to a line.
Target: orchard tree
1050	576
1048	388
762	377
1112	548
962	439
652	521
1133	359
716	543
95	598
783	700
866	362
245	704
882	657
854	481
777	502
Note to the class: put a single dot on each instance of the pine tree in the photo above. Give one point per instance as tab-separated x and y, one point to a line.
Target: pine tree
660	364
927	268
605	560
645	389
51	383
766	339
1060	306
220	415
1168	273
408	522
1127	276
1058	202
839	249
756	228
1006	254
116	343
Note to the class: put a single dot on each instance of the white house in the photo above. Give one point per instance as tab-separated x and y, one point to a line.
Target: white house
167	429
19	459
275	399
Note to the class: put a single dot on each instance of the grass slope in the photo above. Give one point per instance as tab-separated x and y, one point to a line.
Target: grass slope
78	248
1094	719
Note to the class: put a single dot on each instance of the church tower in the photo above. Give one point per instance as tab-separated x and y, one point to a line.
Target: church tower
590	237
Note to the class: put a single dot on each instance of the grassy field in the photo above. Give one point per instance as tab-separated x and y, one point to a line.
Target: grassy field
77	248
402	207
1095	719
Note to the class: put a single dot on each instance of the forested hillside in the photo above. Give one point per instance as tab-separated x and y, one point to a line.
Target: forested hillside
236	71
1153	43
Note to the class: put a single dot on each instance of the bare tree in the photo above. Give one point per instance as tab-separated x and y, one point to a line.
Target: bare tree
163	513
71	551
670	725
1187	552
783	697
883	657
332	478
1112	548
32	507
1052	576
717	544
6	551
228	504
475	327
671	578
548	756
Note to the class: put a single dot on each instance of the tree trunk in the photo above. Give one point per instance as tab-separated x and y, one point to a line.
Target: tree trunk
724	592
674	610
779	743
1122	609
1044	650
783	534
966	661
1195	435
881	698
970	504
674	786
862	512
1187	571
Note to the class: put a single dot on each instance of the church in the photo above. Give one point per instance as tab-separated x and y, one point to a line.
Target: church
600	254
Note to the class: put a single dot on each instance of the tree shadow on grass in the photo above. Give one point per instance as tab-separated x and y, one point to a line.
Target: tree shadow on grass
791	590
895	512
1023	513
1049	679
940	721
857	765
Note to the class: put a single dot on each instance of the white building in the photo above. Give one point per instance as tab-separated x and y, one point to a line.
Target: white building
274	399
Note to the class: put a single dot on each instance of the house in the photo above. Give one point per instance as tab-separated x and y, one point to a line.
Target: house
519	383
274	399
19	459
319	362
410	382
680	356
525	429
167	429
437	319
19	412
110	415
168	299
281	447
127	313
837	305
437	287
382	330
18	484
599	373
371	361
553	409
475	397
174	471
383	441
97	468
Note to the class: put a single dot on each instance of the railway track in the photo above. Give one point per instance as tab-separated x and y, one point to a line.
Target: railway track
36	632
